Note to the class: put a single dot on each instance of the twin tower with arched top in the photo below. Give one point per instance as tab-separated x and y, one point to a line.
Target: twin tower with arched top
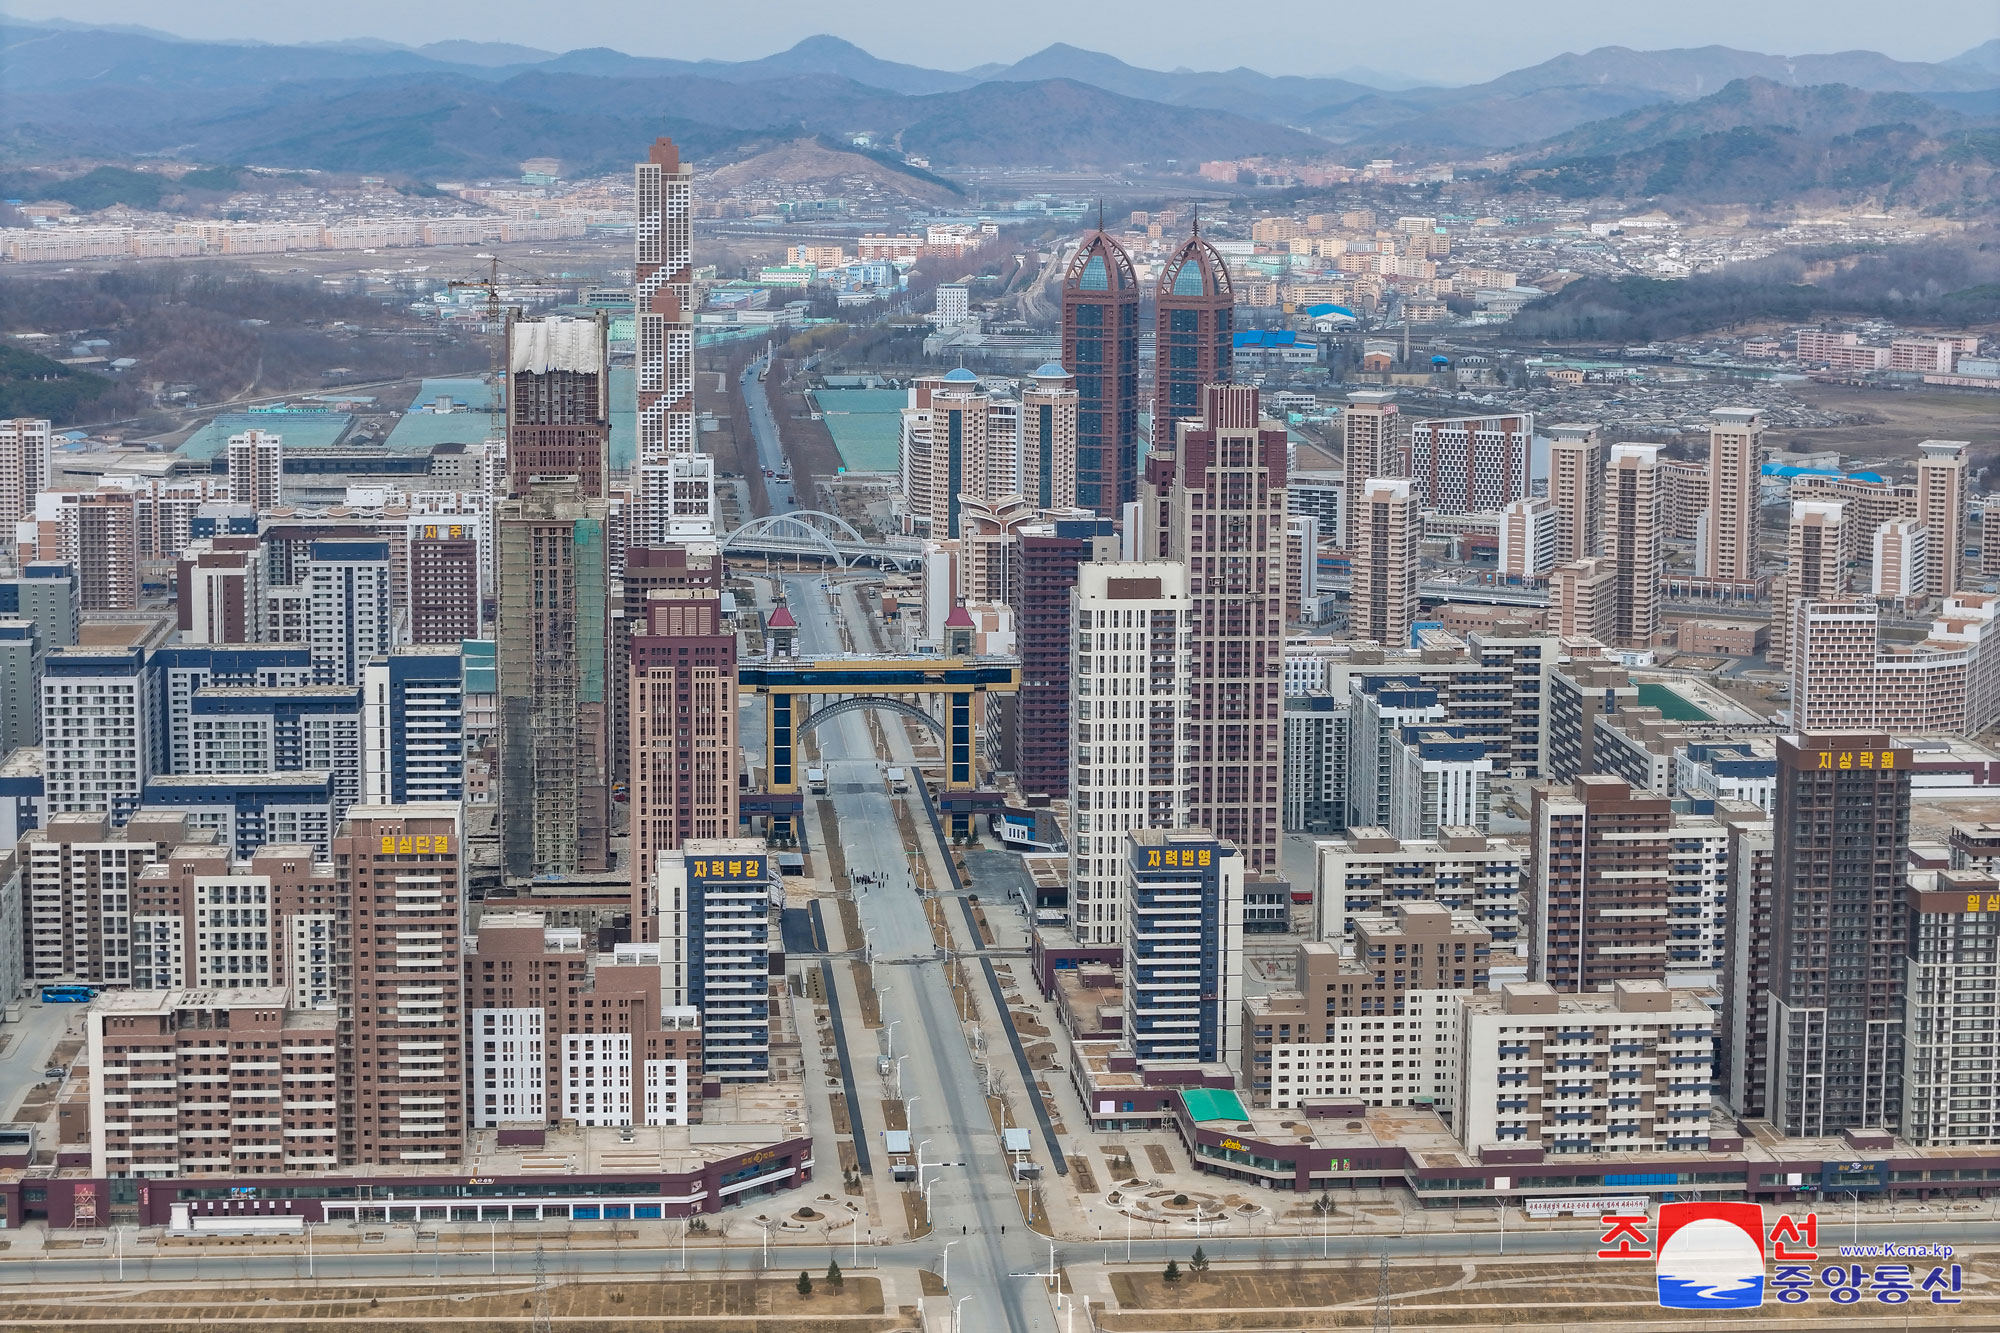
1194	337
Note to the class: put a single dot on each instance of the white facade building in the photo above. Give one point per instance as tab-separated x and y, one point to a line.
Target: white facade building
1627	1070
1128	683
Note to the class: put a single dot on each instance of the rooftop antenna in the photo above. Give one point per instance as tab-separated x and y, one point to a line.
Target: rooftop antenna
1100	214
1197	217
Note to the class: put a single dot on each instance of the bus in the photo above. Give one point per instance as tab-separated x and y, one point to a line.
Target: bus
68	994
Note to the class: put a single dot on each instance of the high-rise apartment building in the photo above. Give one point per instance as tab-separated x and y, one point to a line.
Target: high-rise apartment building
1528	539
79	873
256	470
1728	549
21	654
1370	871
1632	541
24	468
1438	778
1383	557
1100	348
1600	897
1379	708
46	592
1815	567
1941	507
1128	764
1839	923
193	1082
1049	555
676	503
1743	1044
1194	334
445	588
962	444
1536	1072
715	950
1380	1027
1950	1024
1369	448
99	710
553	658
1183	905
100	541
413	726
264	729
561	1032
219	587
1048	438
1217	504
683	735
1576	489
1466	465
401	995
1900	570
350	610
205	915
558	400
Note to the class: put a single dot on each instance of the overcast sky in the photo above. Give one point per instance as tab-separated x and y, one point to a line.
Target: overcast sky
1442	40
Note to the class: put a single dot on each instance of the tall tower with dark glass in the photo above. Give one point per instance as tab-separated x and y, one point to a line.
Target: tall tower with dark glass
1100	346
1193	335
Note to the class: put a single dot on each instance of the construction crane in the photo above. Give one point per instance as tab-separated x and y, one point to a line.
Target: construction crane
490	284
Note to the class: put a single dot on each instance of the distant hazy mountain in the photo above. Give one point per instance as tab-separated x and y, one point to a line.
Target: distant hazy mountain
484	53
1984	58
1821	111
1757	141
1698	71
464	106
1240	91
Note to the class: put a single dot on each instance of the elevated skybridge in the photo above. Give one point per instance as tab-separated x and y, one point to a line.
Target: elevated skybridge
937	692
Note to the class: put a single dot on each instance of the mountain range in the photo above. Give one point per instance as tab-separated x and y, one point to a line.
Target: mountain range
70	91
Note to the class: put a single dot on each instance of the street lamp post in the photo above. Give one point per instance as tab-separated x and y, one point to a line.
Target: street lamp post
889	1028
944	1264
958	1314
899	1076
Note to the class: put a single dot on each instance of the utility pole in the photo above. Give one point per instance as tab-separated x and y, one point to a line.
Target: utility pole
1382	1317
542	1314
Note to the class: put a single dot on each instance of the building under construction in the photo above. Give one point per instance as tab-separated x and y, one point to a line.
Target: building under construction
558	401
553	655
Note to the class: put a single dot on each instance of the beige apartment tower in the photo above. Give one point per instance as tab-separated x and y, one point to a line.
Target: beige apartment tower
1369	448
1632	540
1583	599
1941	506
1221	499
24	468
1815	566
1576	489
401	985
1387	530
1729	547
256	469
1901	568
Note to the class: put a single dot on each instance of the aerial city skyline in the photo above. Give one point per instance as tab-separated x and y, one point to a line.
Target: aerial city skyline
1241	730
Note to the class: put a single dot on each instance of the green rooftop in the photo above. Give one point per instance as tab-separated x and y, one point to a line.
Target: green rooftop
1673	705
1212	1104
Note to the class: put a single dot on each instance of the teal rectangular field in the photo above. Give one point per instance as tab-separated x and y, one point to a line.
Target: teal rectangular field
1673	705
866	425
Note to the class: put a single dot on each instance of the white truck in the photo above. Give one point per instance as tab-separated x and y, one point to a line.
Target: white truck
816	781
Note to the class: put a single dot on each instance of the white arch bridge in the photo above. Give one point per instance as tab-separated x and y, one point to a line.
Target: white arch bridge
808	534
